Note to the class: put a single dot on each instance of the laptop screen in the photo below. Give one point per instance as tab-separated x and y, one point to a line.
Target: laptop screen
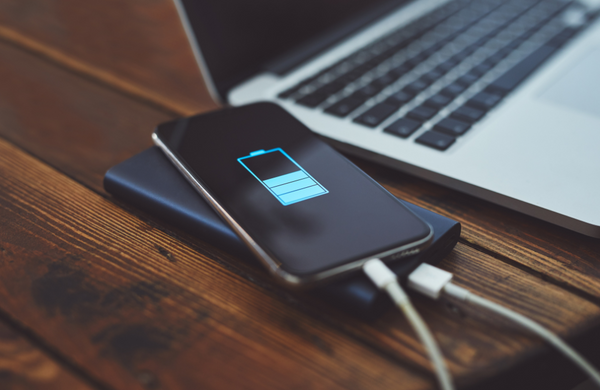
239	38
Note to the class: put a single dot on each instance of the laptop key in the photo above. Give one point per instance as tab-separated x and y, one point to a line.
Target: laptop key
484	100
444	67
453	90
310	79
458	57
428	52
400	98
422	113
360	70
289	92
509	80
370	90
376	114
438	101
345	106
399	71
467	79
383	81
494	59
452	126
321	94
349	77
330	88
416	86
436	140
312	100
416	60
562	37
481	69
403	127
432	76
468	114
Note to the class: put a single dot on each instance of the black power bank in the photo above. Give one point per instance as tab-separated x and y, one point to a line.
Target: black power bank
150	182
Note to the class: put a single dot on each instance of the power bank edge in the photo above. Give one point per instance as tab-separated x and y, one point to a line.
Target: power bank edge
149	182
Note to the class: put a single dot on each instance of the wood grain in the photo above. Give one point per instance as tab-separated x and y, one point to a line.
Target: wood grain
141	318
563	257
23	366
476	343
148	32
72	123
88	277
109	297
125	43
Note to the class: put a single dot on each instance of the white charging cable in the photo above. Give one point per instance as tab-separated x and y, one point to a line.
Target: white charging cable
432	281
387	281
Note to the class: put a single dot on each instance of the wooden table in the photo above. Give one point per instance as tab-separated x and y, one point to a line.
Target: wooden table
95	294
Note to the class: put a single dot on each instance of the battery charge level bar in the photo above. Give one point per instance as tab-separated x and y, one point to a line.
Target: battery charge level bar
285	179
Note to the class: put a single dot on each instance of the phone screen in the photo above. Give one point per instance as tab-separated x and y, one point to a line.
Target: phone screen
282	176
300	200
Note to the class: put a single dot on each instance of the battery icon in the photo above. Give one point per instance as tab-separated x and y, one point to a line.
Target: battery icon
282	176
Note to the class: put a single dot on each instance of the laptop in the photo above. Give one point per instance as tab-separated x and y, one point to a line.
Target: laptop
498	99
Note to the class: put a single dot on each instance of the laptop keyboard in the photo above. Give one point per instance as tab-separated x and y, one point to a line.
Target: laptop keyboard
442	73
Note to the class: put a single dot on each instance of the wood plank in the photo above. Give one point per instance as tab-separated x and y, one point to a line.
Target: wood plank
402	346
94	282
75	124
106	295
566	258
478	344
125	43
563	257
23	366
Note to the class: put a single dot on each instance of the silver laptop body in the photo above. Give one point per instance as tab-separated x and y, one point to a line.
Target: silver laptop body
537	150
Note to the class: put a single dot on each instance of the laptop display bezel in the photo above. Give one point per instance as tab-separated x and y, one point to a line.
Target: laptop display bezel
282	63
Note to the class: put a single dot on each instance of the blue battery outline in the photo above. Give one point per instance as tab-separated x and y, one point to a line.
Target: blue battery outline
291	187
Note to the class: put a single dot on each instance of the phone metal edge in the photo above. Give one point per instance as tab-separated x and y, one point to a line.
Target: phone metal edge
273	265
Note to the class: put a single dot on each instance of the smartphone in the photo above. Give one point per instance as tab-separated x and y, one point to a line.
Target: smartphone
305	211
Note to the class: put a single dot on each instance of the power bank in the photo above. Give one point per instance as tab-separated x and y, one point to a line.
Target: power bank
148	181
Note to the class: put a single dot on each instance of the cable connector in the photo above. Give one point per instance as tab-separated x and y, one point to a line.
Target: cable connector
379	273
386	280
429	280
432	282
